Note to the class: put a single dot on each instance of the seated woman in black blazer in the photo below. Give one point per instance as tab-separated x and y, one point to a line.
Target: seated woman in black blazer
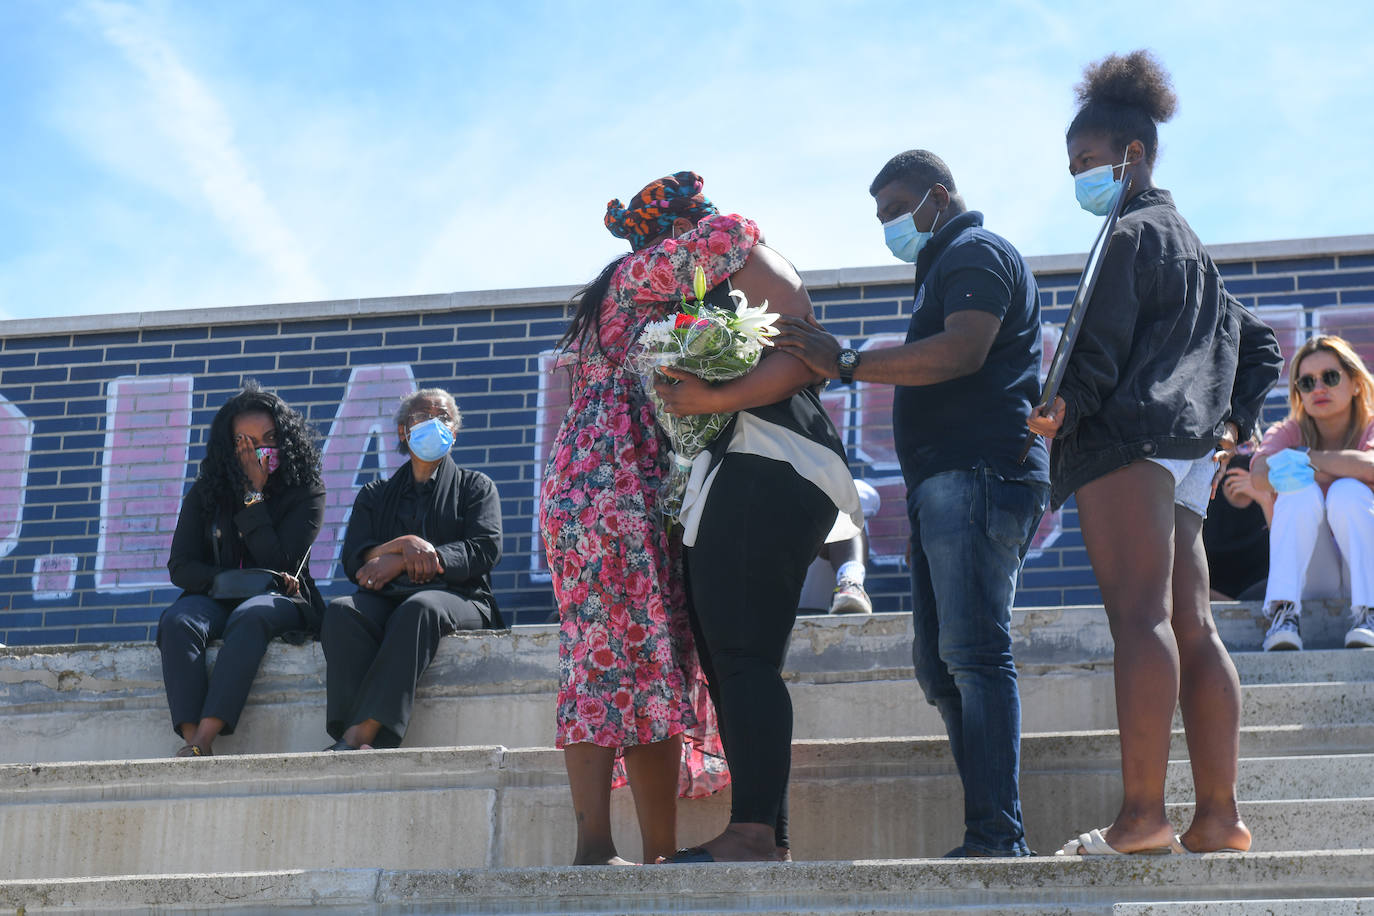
257	502
420	546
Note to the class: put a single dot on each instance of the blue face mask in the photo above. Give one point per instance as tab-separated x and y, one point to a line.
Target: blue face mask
430	440
903	238
1096	189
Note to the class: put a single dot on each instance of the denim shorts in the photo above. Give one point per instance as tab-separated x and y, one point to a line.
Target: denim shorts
1192	481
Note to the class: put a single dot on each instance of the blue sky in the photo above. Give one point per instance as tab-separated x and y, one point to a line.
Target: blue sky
198	154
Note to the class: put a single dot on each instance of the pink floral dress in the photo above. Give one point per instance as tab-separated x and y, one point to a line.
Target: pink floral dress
627	665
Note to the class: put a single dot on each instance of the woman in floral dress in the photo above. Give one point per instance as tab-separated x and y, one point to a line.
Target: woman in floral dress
629	680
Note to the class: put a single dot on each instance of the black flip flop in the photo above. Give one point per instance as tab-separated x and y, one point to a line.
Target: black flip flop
689	855
195	751
340	745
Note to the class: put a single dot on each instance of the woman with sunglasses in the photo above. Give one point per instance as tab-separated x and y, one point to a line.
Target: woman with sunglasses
1320	462
1169	373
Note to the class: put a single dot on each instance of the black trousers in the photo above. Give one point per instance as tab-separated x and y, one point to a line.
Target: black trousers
189	625
761	529
376	648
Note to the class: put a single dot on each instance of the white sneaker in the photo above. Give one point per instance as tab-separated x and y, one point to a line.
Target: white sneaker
1361	634
1283	628
850	598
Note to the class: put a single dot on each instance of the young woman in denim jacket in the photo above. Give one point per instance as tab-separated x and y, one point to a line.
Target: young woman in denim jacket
1168	370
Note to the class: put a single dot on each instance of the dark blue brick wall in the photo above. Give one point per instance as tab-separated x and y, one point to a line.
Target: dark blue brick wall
485	354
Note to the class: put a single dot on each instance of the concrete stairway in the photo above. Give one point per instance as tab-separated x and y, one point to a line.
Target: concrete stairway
107	702
475	827
1295	884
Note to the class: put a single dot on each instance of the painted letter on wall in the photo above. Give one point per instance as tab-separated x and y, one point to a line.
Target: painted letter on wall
16	439
147	443
364	414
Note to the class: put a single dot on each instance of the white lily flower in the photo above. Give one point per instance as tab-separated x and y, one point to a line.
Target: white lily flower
754	321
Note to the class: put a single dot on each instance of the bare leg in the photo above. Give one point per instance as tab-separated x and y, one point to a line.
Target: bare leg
1210	696
589	778
856	548
362	734
1127	520
653	772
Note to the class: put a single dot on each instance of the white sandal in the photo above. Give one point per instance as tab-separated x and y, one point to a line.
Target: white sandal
1093	843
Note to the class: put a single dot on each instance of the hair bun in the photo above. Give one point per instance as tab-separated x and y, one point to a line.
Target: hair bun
1136	80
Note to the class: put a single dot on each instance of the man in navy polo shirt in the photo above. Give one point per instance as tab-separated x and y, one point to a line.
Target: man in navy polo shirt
965	379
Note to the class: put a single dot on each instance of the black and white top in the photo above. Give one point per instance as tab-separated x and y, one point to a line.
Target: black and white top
796	431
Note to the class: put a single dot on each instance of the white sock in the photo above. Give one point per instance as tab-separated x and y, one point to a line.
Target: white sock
851	572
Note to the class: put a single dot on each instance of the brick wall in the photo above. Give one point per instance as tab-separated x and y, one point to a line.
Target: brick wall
103	419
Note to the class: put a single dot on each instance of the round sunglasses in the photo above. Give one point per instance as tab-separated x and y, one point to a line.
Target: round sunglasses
1330	378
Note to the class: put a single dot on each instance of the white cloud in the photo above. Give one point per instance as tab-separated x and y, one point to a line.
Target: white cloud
192	119
253	153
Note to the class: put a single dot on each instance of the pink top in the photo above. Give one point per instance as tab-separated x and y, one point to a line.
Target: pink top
1288	435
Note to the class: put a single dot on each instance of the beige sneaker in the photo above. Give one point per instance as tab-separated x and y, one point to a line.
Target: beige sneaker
850	598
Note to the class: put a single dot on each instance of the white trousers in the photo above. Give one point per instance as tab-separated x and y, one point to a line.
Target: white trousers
1323	546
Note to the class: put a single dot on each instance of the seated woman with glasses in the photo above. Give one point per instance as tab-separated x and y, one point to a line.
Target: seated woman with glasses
420	547
1320	462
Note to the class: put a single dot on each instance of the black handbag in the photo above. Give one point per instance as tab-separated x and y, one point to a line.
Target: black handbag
241	584
238	584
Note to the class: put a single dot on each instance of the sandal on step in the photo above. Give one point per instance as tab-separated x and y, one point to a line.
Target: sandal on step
1093	843
1177	847
194	750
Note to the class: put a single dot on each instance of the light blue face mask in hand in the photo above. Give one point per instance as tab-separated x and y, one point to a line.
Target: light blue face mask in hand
903	238
1290	470
1096	189
430	440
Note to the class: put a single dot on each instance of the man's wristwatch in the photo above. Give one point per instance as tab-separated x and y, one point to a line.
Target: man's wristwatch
252	498
848	361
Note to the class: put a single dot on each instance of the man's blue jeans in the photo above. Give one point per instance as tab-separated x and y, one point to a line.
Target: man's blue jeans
970	530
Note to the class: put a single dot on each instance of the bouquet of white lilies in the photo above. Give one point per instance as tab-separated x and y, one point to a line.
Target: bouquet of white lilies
714	344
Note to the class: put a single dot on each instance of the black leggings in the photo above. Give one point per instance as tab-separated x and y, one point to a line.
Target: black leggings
761	529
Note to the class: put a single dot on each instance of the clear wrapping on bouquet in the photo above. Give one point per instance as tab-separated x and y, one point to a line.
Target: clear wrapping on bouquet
714	344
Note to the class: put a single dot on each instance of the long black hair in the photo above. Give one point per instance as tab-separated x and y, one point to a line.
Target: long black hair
1125	97
586	304
220	472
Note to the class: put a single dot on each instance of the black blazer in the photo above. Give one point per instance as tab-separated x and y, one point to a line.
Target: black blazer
462	521
273	534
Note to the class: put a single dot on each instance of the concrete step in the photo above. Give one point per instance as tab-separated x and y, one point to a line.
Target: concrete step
1324	776
849	677
1308	906
1024	887
1308	824
472	807
1059	700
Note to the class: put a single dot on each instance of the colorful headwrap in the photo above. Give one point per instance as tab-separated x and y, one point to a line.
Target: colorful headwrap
652	211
